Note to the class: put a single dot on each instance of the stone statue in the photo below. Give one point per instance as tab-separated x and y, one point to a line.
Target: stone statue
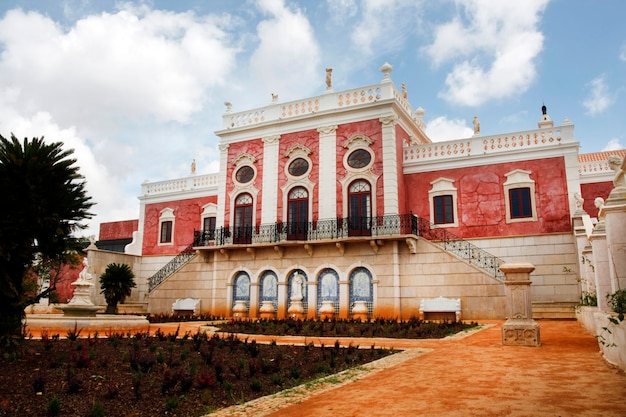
599	203
274	98
193	167
296	287
579	201
405	95
476	125
329	78
617	164
84	275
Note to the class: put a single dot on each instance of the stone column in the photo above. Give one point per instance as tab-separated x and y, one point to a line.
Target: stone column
615	223
519	329
601	265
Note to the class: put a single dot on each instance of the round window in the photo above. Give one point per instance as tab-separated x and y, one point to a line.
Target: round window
245	174
359	158
298	167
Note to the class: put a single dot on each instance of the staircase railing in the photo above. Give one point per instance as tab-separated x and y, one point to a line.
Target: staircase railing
172	266
462	248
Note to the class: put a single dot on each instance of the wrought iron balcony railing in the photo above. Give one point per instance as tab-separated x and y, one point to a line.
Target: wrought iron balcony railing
402	224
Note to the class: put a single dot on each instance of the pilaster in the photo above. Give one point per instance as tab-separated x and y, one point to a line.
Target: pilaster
327	201
390	164
221	186
270	179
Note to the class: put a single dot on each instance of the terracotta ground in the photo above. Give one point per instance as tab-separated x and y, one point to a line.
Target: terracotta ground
473	375
470	375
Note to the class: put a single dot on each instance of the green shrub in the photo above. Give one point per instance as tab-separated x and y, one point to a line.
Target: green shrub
617	301
54	407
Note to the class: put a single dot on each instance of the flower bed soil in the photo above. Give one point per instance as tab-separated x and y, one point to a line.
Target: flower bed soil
150	376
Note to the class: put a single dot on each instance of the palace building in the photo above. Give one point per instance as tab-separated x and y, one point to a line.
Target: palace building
340	205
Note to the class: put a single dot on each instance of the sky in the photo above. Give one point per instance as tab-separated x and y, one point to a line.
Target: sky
137	89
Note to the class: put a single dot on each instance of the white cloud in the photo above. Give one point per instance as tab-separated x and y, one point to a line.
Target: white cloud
492	47
442	128
116	88
599	98
109	67
286	61
341	10
613	145
384	25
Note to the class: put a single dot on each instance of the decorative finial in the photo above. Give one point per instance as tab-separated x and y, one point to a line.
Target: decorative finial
386	69
229	106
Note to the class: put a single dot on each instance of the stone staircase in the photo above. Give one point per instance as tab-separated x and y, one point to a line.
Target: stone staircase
554	310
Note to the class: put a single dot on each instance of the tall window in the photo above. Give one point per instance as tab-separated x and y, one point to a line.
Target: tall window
166	231
444	212
243	219
519	197
359	208
208	227
166	226
443	203
521	205
298	213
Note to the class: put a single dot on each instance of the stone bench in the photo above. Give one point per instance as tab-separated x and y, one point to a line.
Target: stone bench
186	306
440	308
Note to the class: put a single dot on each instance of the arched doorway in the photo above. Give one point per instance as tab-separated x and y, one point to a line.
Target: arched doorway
243	219
359	208
298	214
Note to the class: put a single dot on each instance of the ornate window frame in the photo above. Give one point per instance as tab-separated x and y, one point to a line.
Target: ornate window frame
167	215
440	187
519	178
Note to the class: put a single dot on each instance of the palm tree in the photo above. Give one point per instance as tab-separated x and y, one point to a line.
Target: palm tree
44	202
116	284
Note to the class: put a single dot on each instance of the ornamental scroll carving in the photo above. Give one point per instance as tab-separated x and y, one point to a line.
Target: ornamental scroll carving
271	139
357	139
389	120
244	157
327	130
298	148
223	147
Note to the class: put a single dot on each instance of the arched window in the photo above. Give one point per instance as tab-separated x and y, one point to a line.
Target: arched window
359	208
243	219
362	289
328	289
298	214
297	289
241	289
269	288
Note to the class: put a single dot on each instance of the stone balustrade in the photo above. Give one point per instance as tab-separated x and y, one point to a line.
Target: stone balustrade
492	144
327	102
194	182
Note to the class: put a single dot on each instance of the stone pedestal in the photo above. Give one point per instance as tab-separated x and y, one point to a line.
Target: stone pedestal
267	310
327	310
359	311
296	309
240	309
520	329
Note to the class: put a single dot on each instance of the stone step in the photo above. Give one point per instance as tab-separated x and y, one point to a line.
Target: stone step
132	308
562	311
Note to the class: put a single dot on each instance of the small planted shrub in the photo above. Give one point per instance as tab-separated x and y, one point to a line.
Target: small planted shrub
54	407
617	301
